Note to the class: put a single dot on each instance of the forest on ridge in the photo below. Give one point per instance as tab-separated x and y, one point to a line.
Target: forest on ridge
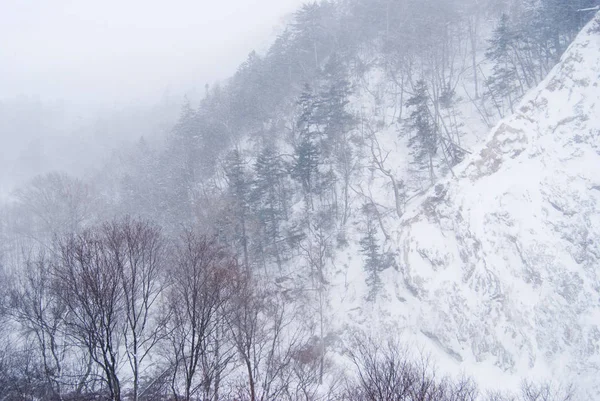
200	266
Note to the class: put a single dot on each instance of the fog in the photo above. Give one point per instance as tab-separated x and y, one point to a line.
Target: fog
65	65
338	200
113	51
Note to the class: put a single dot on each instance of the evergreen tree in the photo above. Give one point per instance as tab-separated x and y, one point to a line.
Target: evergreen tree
249	95
558	21
239	185
307	161
311	34
306	169
181	160
375	262
337	122
309	105
502	83
542	32
424	142
216	121
269	199
333	102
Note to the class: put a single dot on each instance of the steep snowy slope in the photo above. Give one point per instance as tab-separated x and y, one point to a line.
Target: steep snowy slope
499	267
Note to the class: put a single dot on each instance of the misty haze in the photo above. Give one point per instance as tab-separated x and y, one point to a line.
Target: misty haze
347	200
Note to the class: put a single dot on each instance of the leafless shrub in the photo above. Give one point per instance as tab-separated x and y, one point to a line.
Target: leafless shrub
22	376
546	392
535	392
389	372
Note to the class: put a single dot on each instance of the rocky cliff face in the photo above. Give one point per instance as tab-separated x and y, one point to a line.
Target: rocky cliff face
499	265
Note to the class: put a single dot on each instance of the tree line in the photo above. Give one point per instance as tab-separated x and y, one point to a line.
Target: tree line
118	311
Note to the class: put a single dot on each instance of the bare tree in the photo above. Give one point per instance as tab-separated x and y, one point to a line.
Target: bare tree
138	249
5	282
379	158
317	250
87	279
198	291
266	337
56	203
41	313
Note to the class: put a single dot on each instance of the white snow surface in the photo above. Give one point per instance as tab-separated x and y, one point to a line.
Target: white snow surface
498	266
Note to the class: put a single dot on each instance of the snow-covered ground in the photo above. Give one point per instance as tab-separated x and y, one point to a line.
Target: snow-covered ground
497	267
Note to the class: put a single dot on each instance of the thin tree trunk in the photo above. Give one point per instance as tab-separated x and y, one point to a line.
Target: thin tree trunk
322	340
250	379
473	40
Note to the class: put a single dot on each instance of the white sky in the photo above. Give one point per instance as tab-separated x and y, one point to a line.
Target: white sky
124	50
80	60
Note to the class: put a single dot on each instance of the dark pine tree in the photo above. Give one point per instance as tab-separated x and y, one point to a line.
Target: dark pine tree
424	141
238	195
333	101
307	158
502	83
269	200
184	148
374	261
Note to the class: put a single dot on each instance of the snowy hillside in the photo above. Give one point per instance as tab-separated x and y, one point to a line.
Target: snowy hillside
333	223
498	266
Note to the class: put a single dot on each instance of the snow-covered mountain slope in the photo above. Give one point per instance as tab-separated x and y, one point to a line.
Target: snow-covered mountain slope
499	266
